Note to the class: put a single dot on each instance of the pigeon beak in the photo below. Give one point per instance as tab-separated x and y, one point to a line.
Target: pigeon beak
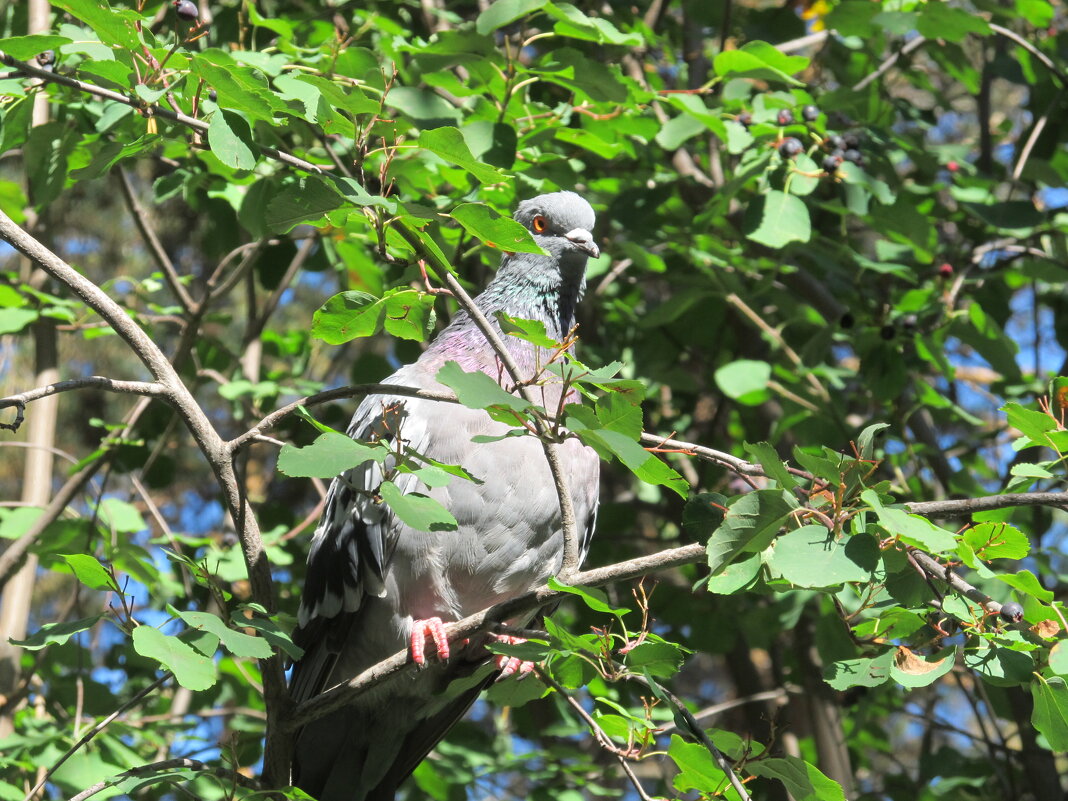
583	240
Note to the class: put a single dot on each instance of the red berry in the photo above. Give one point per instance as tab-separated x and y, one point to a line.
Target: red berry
952	166
945	270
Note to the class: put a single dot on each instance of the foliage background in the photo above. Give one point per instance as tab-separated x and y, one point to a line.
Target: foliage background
757	298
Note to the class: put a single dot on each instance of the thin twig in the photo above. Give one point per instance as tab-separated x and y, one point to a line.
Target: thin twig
147	109
1047	62
167	764
163	261
99	727
889	62
598	733
352	391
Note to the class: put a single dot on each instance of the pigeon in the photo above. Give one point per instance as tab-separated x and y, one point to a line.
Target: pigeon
375	586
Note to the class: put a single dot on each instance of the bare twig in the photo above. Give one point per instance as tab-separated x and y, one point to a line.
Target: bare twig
963	507
99	727
1046	61
93	381
163	261
889	62
599	734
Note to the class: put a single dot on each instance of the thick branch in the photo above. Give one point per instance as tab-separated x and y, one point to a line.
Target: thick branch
344	694
93	381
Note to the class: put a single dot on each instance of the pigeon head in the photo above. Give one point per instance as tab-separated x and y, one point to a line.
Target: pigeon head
561	223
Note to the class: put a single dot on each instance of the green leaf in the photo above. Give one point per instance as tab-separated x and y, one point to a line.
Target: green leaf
331	454
774	467
697	769
862	672
532	331
1033	425
594	598
236	642
751	523
414	509
237	86
803	781
1009	215
617	413
1050	715
940	21
405	313
448	144
24	47
268	629
491	228
505	12
1058	658
914	670
678	129
477	390
14	320
231	140
754	63
88	570
114	26
56	633
776	219
192	669
745	381
997	541
1026	582
660	659
302	200
912	529
122	517
807	557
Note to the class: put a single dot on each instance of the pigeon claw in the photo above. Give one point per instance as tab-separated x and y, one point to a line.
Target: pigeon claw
510	665
431	627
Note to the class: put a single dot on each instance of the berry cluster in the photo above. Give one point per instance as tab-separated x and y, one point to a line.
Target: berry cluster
841	148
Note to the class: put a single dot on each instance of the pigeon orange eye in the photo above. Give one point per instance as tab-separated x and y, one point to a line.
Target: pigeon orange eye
539	224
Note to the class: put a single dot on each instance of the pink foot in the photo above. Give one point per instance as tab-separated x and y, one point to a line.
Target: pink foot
435	629
510	665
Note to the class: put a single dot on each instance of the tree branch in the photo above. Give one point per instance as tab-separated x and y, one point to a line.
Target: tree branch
964	507
167	764
146	109
207	438
400	663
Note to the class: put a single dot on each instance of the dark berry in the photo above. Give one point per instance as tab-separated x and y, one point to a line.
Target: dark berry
836	142
213	95
1012	612
847	320
831	162
853	155
945	270
851	140
810	113
186	9
888	332
784	117
46	58
909	323
952	166
745	118
790	147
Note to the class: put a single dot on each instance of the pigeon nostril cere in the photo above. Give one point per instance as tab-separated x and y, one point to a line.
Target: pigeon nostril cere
583	240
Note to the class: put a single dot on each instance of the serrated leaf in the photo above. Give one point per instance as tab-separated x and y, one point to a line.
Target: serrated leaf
697	769
1026	582
532	331
914	670
495	230
503	12
862	672
752	521
774	467
271	632
299	201
807	557
330	455
25	47
193	670
419	511
912	529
